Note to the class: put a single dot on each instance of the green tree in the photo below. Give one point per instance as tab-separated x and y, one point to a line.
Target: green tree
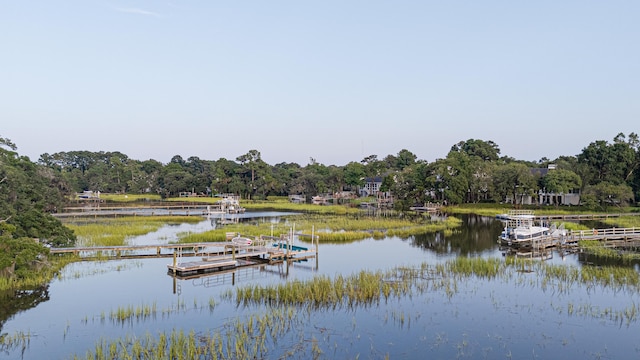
285	175
561	181
354	175
405	159
313	179
251	162
373	167
27	193
485	150
514	181
606	194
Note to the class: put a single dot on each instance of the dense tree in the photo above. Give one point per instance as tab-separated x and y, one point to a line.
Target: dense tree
251	162
373	167
409	186
513	182
610	162
606	194
354	175
485	150
471	172
561	181
284	175
28	192
405	159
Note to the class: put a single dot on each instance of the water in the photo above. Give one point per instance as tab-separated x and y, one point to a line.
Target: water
501	318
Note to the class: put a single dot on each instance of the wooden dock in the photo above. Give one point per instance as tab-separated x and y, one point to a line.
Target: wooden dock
582	217
215	256
200	267
117	211
186	249
611	237
241	256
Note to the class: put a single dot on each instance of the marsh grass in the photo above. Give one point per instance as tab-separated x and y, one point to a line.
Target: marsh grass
114	231
17	340
130	314
625	316
102	267
362	289
286	308
35	279
572	226
601	250
125	314
303	208
248	338
366	288
332	228
124	198
624	221
496	209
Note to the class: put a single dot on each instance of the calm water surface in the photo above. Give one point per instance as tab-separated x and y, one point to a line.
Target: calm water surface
501	318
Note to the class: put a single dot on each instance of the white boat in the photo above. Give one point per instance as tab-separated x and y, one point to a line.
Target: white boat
229	204
520	229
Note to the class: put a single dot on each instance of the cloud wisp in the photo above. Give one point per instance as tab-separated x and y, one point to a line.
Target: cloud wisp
138	11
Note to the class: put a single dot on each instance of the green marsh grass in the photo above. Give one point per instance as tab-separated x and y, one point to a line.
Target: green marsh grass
496	209
125	314
280	305
365	288
273	203
38	278
332	228
143	312
304	208
19	339
114	231
600	249
239	339
624	221
124	198
102	267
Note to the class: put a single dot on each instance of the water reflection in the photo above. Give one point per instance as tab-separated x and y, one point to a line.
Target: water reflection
483	318
478	234
13	302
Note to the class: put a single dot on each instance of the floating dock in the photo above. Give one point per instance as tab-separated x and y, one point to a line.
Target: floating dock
234	255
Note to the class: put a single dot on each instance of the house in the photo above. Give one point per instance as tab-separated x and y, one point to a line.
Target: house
371	186
544	197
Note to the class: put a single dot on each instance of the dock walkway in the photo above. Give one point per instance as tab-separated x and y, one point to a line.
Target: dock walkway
215	256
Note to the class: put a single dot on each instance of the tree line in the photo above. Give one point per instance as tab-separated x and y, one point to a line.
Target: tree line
29	193
605	173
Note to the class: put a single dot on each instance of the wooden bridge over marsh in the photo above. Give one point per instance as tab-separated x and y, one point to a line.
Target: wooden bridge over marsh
154	210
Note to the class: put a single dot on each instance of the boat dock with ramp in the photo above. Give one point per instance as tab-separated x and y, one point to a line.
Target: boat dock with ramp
524	235
238	251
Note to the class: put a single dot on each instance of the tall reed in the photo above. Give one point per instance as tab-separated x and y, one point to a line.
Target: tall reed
114	231
250	338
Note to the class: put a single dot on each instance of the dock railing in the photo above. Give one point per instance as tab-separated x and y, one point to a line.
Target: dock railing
604	234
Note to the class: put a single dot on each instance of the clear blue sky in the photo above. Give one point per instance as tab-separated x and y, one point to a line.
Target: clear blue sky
331	80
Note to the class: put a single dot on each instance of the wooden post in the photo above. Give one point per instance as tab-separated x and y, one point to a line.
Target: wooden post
317	243
175	259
